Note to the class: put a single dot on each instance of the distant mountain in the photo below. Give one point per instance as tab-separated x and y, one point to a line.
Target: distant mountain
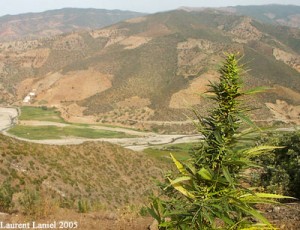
153	68
54	22
285	15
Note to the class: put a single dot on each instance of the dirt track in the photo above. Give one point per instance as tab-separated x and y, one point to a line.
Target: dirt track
144	140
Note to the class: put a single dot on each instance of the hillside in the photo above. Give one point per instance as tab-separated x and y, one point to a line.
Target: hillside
105	176
284	15
152	68
54	22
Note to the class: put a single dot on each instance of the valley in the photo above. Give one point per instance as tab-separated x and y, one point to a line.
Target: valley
92	103
138	141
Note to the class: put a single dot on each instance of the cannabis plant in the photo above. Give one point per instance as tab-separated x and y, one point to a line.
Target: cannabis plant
210	189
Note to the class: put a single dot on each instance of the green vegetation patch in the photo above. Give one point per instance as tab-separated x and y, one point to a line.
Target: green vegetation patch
281	166
54	132
180	151
40	114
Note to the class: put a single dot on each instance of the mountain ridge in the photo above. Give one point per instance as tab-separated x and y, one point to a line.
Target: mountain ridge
276	14
152	67
59	21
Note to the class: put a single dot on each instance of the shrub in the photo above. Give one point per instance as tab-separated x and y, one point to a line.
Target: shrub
37	204
83	206
281	168
6	197
209	190
29	201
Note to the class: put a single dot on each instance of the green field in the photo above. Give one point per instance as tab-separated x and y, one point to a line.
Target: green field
40	114
179	151
54	132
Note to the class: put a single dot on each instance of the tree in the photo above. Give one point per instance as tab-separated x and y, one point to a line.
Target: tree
209	190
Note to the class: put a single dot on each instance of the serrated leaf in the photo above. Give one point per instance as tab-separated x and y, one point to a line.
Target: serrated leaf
153	214
205	174
248	121
252	199
273	196
218	136
261	149
182	190
254	213
156	210
179	165
227	175
190	168
180	179
256	90
165	224
208	216
225	218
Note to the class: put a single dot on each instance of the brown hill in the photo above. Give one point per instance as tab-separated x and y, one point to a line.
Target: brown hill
152	68
54	22
105	176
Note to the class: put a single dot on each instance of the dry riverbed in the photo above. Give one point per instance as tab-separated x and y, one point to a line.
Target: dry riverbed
8	117
142	141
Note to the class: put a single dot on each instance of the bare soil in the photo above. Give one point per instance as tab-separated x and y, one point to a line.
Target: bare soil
282	111
191	96
73	86
104	220
285	217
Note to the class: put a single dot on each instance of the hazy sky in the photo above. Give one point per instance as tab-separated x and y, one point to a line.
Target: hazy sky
149	6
